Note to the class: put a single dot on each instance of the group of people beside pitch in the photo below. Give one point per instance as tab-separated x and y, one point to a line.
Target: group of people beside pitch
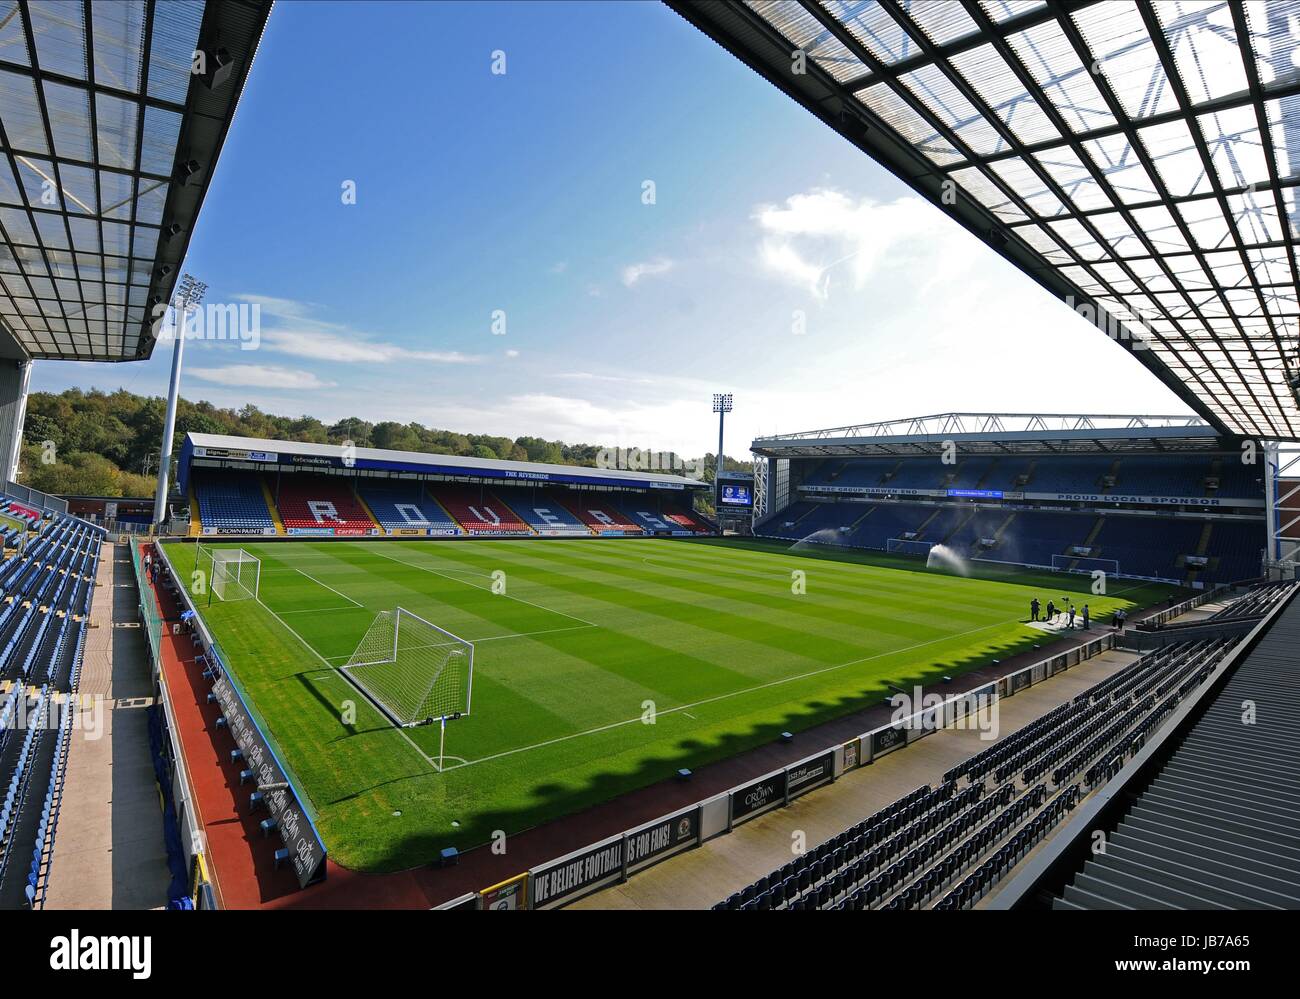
1067	614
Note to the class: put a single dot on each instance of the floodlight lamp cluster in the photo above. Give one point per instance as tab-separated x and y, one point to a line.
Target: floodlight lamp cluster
722	402
190	292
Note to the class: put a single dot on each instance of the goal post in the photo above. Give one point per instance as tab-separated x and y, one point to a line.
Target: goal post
235	574
1085	564
908	546
415	672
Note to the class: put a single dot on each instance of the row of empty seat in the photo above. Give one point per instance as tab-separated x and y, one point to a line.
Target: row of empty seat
1193	476
946	847
1144	546
1213	827
46	591
304	504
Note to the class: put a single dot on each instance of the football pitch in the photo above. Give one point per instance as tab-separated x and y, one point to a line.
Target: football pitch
599	666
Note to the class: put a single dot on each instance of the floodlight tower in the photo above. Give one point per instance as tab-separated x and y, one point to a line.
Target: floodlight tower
188	297
721	406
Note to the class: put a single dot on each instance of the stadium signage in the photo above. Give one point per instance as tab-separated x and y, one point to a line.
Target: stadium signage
977	493
754	799
581	872
508	895
239	530
810	774
654	842
873	490
305	848
235	454
1203	501
886	740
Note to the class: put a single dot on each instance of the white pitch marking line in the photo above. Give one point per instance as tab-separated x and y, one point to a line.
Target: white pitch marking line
328	587
318	610
749	690
439	572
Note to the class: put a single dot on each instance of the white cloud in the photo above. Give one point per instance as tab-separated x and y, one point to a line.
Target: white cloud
512	353
649	268
259	376
814	237
353	348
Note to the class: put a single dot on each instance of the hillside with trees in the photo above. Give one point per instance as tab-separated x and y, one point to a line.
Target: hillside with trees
93	443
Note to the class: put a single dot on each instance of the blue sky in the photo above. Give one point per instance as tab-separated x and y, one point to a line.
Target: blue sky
776	261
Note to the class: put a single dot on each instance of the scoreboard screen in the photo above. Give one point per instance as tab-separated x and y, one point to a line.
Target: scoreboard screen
738	495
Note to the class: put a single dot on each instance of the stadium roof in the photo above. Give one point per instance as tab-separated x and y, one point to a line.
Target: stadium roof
244	449
998	433
108	142
1143	158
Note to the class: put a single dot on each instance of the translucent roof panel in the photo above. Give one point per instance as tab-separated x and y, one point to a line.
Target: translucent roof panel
1145	157
94	100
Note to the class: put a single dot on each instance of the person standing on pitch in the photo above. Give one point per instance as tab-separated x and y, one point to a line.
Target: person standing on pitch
1085	617
1071	622
1051	611
1033	609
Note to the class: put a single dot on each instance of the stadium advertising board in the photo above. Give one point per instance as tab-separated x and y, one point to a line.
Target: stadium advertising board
578	873
886	740
235	454
314	531
851	754
239	530
977	493
873	490
810	774
662	838
305	848
754	799
507	895
1112	498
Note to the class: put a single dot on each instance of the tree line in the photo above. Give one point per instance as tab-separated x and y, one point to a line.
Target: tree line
95	443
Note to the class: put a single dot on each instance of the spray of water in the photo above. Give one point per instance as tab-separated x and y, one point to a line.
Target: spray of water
826	536
943	557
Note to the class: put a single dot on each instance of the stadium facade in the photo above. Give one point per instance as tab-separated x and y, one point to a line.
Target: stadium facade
247	486
1150	497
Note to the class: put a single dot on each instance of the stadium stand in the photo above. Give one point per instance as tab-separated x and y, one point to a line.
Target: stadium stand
1144	546
1213	826
403	508
600	515
309	504
681	517
546	513
48	588
946	847
233	502
479	511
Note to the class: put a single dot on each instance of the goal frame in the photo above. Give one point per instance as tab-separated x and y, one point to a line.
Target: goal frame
380	701
1088	564
895	546
241	558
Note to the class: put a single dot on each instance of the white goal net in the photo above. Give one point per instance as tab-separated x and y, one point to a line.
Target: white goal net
236	575
1084	564
413	670
905	546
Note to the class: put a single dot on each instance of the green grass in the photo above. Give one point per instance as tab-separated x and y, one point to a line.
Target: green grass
589	637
